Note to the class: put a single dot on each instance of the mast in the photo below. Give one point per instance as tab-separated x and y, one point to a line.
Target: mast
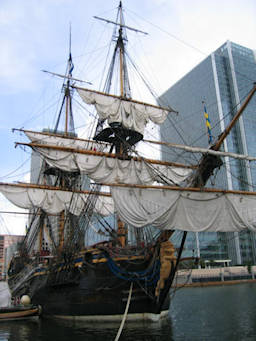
67	94
121	229
225	133
68	128
67	111
67	89
67	99
121	137
120	43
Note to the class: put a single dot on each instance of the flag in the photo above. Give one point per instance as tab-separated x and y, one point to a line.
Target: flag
208	125
71	65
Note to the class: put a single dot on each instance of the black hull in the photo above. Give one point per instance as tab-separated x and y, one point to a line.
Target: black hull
92	292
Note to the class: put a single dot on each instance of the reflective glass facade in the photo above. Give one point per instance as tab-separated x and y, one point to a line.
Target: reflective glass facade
222	81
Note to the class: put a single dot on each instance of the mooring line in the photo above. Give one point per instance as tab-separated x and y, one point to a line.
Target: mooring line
125	313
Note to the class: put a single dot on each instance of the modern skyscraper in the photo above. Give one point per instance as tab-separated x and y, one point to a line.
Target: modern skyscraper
221	83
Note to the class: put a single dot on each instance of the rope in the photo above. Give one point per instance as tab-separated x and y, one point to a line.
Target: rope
150	275
125	314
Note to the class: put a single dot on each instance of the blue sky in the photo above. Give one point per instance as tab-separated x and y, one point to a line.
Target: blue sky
34	36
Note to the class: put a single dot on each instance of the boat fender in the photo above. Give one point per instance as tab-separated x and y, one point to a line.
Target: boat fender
40	310
25	300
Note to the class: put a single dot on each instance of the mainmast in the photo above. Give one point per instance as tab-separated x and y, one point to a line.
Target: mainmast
120	44
119	136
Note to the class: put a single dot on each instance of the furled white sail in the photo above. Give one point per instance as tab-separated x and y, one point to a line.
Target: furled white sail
104	169
54	201
131	114
112	170
186	210
55	140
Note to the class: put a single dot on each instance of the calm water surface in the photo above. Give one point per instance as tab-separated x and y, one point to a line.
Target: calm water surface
211	313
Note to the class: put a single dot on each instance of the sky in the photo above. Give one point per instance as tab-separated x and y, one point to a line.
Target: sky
34	35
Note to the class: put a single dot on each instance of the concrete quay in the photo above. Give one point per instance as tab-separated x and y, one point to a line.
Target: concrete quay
215	276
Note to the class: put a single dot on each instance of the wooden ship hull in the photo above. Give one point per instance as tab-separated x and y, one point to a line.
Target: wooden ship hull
94	286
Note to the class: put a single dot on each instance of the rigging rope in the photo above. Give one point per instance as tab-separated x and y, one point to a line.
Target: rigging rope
125	314
150	276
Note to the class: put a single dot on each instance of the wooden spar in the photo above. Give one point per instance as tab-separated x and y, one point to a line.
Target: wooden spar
27	213
174	145
66	77
67	95
203	150
110	155
125	99
52	188
225	133
121	229
164	187
45	133
121	74
125	26
182	189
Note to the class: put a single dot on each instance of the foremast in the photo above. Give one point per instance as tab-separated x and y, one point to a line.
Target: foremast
69	124
55	178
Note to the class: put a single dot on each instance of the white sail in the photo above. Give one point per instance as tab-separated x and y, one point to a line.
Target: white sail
63	141
131	114
112	170
186	210
104	169
54	201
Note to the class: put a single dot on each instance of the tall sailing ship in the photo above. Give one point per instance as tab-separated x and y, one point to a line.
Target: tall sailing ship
102	187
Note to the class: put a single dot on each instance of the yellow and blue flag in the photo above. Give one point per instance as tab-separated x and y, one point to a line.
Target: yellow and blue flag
208	125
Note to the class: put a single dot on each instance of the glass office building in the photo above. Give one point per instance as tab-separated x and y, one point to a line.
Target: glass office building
221	82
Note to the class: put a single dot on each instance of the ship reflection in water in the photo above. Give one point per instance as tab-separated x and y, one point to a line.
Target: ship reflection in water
209	313
56	330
